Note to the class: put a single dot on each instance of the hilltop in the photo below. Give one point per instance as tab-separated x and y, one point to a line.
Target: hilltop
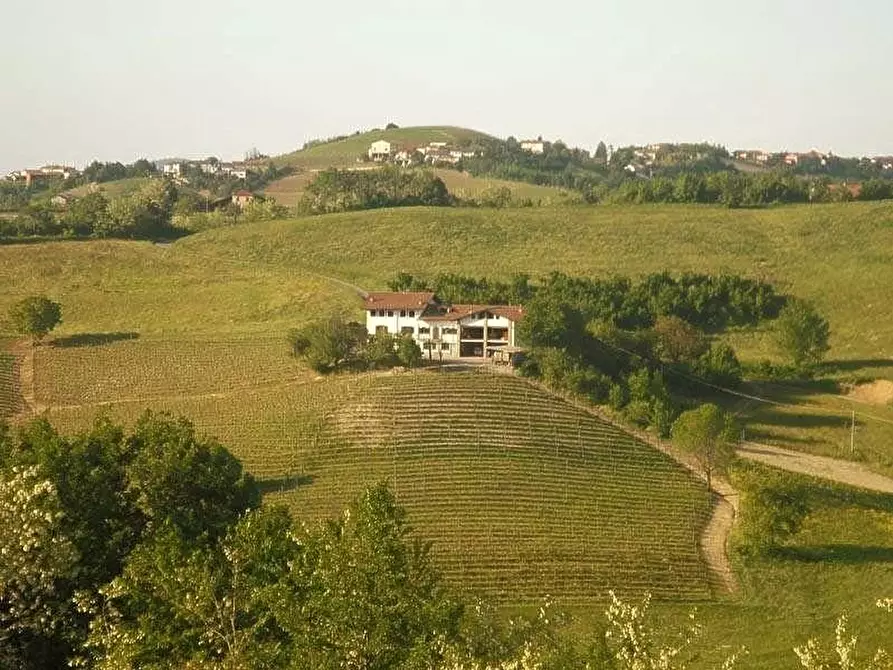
343	152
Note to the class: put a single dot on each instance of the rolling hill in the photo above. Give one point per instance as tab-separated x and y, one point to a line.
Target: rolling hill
521	492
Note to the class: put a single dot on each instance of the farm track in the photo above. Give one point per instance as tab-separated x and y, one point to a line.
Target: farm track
823	467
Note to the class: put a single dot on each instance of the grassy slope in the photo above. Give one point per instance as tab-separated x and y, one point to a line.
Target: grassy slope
255	281
113	189
345	152
836	255
289	190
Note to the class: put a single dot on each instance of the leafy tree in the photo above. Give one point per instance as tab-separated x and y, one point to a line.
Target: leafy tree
88	471
36	557
708	433
35	316
802	334
85	215
192	484
365	594
180	604
329	344
408	353
381	351
677	340
601	153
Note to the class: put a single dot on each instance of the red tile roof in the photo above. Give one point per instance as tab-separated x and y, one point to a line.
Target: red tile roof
457	312
398	300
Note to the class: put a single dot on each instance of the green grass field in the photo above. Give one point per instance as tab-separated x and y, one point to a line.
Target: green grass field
344	153
198	326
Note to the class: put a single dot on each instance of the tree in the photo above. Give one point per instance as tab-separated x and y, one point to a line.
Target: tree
36	557
391	126
408	352
801	334
192	484
365	594
601	153
708	433
208	606
329	344
35	316
677	340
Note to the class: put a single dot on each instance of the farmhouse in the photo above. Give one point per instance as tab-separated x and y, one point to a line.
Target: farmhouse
242	198
380	150
440	330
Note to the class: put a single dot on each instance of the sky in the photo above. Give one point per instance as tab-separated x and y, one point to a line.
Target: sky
123	79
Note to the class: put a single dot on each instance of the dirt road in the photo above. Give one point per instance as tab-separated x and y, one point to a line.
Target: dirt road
834	469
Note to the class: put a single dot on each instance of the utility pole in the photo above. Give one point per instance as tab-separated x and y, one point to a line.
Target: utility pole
853	434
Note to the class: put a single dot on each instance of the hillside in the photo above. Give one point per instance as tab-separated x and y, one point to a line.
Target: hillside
344	152
112	189
197	327
289	190
522	495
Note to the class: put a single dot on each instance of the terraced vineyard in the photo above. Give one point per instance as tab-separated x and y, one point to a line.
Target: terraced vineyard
522	494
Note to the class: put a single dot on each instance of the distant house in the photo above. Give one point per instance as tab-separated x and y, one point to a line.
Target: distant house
242	198
381	150
172	169
43	174
441	330
791	159
406	157
533	146
209	167
237	170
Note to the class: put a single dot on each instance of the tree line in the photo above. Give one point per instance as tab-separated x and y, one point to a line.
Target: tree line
648	348
736	189
348	190
145	214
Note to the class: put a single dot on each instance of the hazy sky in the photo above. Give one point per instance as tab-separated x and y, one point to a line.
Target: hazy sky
119	79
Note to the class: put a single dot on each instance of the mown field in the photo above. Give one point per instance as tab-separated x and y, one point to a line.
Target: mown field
198	327
345	152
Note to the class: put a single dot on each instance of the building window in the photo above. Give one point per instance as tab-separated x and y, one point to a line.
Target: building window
449	331
402	312
412	313
390	313
427	346
407	330
381	330
444	346
424	331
